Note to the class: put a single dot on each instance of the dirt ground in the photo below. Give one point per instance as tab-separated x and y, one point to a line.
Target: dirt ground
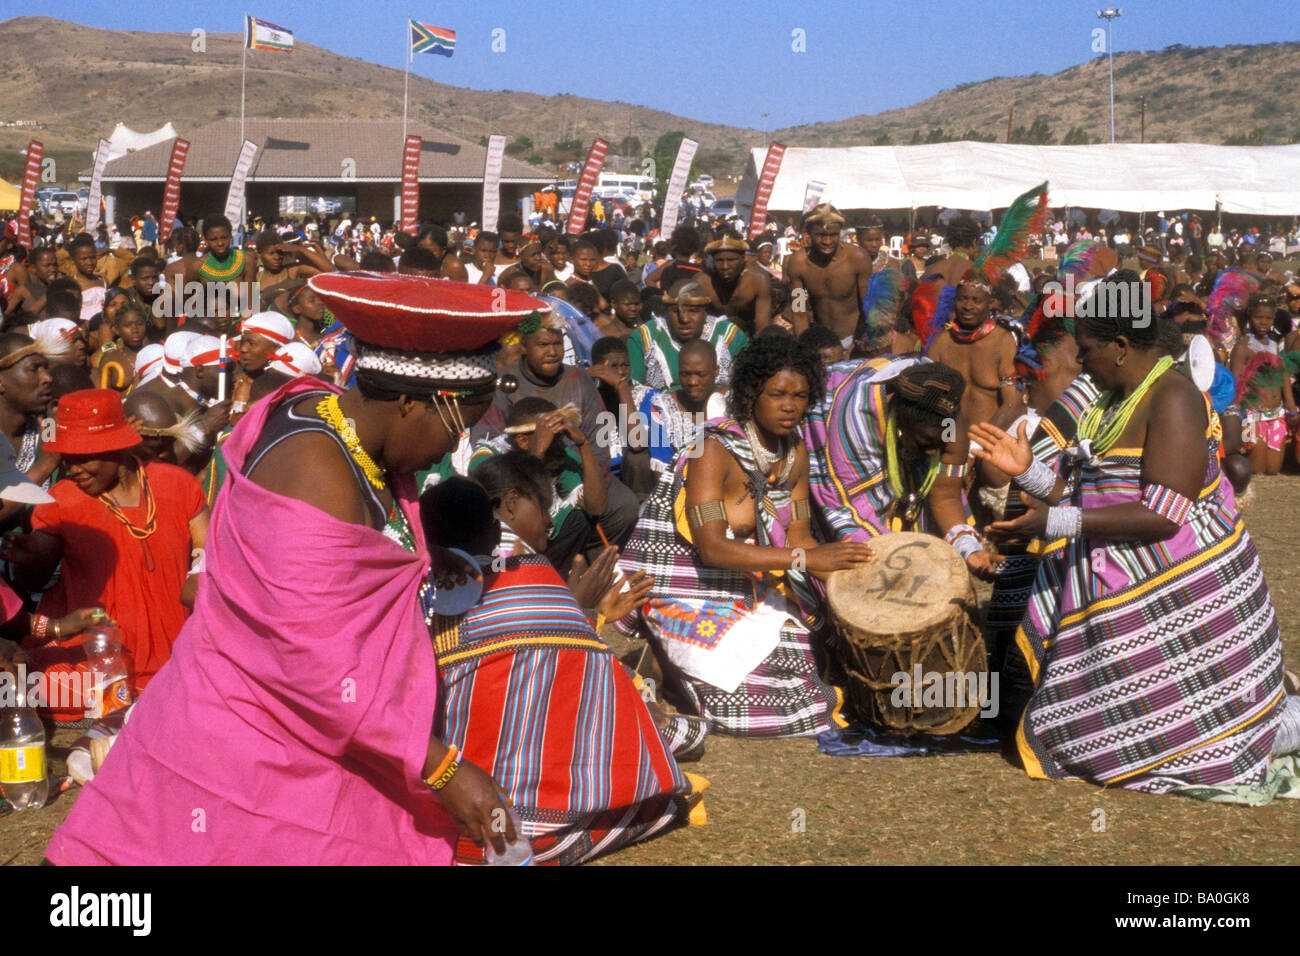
782	802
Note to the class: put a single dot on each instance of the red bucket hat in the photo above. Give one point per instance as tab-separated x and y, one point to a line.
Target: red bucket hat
91	421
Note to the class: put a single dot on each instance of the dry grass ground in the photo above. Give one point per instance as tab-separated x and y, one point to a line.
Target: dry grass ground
935	810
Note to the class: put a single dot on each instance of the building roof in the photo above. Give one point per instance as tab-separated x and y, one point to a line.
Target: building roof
317	150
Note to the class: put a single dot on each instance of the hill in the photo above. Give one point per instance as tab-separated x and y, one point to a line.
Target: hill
1203	94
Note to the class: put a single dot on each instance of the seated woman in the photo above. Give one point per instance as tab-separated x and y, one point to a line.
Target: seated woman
533	695
1149	635
727	537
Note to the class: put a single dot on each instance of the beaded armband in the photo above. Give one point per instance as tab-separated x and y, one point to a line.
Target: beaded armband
952	471
697	516
801	510
964	539
1167	503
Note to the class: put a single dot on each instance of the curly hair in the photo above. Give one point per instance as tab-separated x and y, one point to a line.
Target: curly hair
764	357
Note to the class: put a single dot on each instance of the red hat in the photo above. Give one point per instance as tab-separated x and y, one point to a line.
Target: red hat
411	313
91	421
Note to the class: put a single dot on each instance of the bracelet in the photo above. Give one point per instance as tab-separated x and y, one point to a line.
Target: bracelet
801	510
699	515
1064	521
1037	480
238	408
1167	503
39	625
1293	414
964	540
443	773
58	628
953	471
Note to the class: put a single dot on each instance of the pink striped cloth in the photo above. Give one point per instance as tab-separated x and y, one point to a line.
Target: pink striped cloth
291	723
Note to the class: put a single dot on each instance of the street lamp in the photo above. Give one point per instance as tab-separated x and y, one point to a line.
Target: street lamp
764	130
1109	15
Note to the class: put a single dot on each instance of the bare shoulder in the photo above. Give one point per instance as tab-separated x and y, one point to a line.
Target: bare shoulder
1176	396
311	467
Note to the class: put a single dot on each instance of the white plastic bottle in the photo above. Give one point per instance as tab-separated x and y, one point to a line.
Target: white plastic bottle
519	853
23	779
106	657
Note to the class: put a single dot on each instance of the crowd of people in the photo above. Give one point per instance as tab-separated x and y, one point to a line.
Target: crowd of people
363	505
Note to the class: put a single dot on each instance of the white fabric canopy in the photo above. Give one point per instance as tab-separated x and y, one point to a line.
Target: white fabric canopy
126	140
1129	177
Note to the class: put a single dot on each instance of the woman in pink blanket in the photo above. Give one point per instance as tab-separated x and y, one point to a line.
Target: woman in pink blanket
294	721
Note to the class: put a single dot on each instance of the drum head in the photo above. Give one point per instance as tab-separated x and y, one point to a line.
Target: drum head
912	583
1200	362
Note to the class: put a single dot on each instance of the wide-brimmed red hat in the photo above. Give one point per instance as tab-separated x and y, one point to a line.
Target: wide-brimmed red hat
422	313
91	421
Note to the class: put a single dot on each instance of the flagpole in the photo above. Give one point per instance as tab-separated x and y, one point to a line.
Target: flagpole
243	82
406	84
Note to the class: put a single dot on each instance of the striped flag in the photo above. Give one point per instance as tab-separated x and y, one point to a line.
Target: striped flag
262	35
429	39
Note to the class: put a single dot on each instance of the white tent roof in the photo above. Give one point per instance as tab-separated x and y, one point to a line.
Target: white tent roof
126	140
1261	180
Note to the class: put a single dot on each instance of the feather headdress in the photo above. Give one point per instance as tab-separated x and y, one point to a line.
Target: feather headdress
1231	290
188	432
932	305
886	291
1025	218
1078	259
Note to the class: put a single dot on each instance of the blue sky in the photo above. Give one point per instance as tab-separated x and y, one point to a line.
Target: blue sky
724	61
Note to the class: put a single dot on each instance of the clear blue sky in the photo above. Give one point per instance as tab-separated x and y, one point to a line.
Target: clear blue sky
724	61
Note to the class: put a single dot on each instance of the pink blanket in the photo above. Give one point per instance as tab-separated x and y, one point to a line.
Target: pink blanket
291	723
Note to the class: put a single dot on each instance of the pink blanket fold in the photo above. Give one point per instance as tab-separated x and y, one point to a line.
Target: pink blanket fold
291	724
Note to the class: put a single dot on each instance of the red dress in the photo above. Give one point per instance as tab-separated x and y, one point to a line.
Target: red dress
104	565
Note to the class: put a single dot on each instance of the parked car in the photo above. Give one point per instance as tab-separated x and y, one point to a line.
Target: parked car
722	208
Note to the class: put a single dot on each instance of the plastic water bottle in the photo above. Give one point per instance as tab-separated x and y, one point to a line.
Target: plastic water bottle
23	779
519	853
110	687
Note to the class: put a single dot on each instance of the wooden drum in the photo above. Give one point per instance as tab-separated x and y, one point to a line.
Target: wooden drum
914	660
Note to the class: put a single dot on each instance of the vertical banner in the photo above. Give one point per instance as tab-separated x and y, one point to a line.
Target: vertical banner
812	195
411	183
235	197
92	204
496	153
172	193
582	195
31	176
676	186
766	180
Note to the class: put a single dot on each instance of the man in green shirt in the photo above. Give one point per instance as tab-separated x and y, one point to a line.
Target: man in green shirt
656	344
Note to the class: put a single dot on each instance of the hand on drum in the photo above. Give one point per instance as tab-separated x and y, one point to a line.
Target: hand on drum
984	565
1007	453
837	556
1032	524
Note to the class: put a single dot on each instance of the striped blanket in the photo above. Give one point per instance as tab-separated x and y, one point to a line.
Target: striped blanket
1157	667
783	696
537	700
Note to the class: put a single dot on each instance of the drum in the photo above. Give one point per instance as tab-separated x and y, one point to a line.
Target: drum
913	658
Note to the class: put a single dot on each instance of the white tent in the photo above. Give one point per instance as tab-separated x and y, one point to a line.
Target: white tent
1260	180
126	140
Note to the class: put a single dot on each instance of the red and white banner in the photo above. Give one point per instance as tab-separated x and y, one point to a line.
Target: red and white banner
766	180
582	195
31	176
411	183
92	204
235	198
496	154
172	193
677	185
812	195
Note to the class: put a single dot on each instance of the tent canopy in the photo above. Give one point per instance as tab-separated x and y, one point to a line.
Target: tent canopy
10	196
1259	180
126	140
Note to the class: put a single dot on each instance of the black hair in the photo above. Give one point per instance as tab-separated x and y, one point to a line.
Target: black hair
457	513
266	239
510	222
684	242
1169	338
585	297
213	221
1131	319
69	378
78	241
141	262
41	251
605	241
61	303
528	409
623	289
267	382
818	337
913	416
962	231
435	233
764	357
609	345
583	244
376	261
515	471
703	346
488	239
419	258
185	238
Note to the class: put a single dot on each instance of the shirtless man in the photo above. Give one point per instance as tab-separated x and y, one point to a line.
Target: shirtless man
27	300
742	291
984	352
832	276
93	286
186	243
281	261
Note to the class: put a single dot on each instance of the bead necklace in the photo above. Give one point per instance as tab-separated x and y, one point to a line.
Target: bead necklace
329	410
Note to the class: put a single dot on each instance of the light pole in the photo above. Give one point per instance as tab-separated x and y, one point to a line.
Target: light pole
764	130
1109	15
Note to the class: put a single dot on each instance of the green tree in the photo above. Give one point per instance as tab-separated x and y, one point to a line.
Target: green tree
521	145
665	154
1039	133
884	139
917	139
630	146
1077	136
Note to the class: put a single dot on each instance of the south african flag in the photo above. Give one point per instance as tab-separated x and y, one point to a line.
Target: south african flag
428	39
